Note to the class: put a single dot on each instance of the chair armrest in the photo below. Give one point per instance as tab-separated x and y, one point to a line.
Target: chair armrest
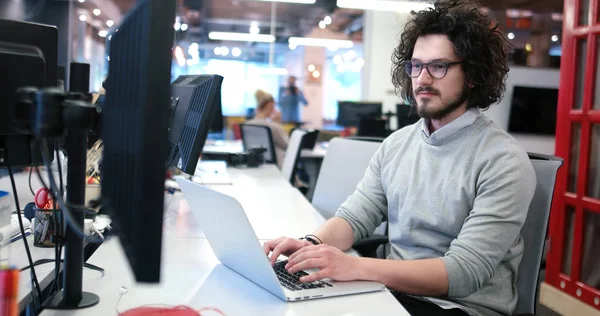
368	247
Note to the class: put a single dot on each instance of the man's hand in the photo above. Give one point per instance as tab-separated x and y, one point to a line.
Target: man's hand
331	262
283	246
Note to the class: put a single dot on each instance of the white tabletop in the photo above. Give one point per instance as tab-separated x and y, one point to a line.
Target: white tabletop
192	276
236	147
274	208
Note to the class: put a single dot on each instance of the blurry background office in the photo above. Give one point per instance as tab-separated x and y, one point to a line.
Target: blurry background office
258	44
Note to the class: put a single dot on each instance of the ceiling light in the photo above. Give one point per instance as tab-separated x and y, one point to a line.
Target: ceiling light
243	37
177	26
96	12
384	5
83	18
184	27
511	35
236	52
110	23
528	47
338	60
332	48
555	38
224	51
293	46
311	67
321	42
81	1
360	61
316	74
217	51
291	1
327	20
102	33
322	25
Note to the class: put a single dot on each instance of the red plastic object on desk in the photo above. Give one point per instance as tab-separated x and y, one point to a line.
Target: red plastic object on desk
9	290
42	199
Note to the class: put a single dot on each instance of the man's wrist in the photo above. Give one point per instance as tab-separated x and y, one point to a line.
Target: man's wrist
313	239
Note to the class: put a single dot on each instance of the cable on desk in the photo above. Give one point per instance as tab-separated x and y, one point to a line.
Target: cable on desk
44	261
162	310
30	187
22	228
58	233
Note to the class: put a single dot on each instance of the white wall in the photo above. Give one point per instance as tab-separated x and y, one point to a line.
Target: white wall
381	36
500	113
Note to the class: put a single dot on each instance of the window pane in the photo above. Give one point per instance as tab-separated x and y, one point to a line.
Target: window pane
568	241
593	185
590	269
580	75
584	9
574	157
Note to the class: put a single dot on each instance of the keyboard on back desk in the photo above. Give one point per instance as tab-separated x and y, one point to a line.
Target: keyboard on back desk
292	281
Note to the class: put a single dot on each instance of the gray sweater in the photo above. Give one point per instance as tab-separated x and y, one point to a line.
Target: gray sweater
460	194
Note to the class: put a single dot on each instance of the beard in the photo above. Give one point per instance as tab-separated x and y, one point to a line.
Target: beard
425	111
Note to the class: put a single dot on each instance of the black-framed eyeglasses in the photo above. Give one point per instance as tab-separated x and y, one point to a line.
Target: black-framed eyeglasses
436	69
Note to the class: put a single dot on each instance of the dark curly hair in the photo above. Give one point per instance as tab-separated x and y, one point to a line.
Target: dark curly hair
479	43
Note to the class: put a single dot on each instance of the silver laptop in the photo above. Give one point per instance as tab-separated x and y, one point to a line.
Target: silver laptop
235	244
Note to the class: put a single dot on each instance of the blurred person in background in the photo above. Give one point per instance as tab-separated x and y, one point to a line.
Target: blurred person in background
268	115
289	97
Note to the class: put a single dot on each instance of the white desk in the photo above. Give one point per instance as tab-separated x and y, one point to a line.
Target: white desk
274	208
191	274
235	147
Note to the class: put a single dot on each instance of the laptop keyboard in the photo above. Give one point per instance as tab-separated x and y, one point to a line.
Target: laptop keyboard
292	281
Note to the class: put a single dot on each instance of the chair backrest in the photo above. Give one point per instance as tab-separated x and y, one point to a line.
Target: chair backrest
292	154
534	231
343	167
256	136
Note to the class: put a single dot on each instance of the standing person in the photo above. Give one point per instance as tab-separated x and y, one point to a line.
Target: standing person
289	98
454	188
267	115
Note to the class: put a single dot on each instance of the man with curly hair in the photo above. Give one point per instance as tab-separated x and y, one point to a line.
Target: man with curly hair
454	187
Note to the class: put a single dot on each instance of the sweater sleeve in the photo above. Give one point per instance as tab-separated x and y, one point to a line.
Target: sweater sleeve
367	207
505	188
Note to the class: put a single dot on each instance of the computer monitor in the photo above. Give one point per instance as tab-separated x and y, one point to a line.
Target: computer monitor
350	113
218	124
28	58
406	114
533	111
195	104
135	120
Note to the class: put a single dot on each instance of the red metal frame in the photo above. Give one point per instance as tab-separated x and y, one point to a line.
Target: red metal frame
567	117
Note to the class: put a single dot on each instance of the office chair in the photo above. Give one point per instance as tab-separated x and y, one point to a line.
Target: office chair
257	136
292	154
366	138
343	168
533	233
